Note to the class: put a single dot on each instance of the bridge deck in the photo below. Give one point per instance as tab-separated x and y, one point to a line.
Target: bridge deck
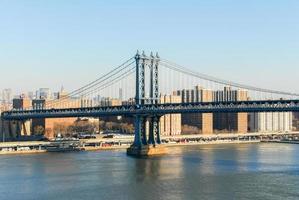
157	109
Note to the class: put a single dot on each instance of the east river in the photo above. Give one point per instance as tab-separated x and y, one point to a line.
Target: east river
243	171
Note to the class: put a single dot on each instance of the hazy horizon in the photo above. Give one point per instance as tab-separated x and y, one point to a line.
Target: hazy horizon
47	44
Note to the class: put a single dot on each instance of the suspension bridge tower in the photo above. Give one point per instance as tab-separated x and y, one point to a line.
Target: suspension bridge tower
147	139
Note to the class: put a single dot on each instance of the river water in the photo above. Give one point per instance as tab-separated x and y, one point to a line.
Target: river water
243	171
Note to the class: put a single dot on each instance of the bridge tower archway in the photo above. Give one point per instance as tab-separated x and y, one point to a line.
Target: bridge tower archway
147	130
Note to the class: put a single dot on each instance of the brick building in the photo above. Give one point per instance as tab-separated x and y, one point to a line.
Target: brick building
170	124
63	101
230	122
203	121
220	122
16	129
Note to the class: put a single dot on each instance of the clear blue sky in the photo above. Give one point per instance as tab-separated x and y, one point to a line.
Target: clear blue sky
71	42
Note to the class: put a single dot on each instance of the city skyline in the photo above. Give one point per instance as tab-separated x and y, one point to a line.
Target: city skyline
250	42
127	99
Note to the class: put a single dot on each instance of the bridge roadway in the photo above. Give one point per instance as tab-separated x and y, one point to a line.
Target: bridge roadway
157	109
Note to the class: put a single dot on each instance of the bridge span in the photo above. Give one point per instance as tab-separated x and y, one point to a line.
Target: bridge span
158	109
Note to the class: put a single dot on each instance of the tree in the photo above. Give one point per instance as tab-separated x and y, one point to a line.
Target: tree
49	133
83	126
39	130
109	125
60	128
190	130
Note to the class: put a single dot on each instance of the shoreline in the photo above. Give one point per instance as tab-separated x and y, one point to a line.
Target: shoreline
22	152
124	147
282	142
213	143
123	143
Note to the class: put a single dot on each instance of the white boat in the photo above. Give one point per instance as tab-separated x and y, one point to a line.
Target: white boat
64	146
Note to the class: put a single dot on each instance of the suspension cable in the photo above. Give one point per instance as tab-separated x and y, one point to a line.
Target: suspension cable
184	70
96	82
103	85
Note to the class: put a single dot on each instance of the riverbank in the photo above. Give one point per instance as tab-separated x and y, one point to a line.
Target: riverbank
122	143
22	152
123	147
212	142
283	142
116	147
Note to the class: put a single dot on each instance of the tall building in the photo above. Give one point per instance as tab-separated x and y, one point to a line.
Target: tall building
107	101
22	103
31	95
44	93
4	125
4	108
170	124
203	121
130	101
270	122
55	95
17	129
120	94
64	101
7	96
208	122
230	122
296	121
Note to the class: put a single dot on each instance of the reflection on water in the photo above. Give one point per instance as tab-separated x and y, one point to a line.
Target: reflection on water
247	171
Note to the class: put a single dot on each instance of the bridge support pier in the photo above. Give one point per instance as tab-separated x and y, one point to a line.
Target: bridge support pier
147	140
147	132
146	150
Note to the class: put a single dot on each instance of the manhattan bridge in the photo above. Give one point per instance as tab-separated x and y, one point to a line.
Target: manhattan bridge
142	80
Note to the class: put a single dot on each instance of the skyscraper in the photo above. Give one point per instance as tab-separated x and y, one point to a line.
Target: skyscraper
271	122
7	96
43	93
203	121
230	122
120	94
208	122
